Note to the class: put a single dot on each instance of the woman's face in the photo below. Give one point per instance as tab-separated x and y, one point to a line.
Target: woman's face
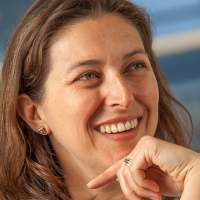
101	94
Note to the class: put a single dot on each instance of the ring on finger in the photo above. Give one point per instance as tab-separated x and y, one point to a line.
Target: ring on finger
128	161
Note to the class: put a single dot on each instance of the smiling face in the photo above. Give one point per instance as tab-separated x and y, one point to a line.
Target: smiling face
101	94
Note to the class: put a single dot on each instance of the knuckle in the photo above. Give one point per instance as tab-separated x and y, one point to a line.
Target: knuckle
126	173
148	141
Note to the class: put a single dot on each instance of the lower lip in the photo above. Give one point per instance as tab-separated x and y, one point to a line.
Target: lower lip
124	136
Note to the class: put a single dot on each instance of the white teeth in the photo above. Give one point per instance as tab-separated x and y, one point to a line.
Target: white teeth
132	124
114	128
135	122
120	127
127	126
108	129
102	129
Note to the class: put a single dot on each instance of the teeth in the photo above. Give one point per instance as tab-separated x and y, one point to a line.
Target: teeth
127	126
135	122
108	129
132	124
102	129
114	128
120	127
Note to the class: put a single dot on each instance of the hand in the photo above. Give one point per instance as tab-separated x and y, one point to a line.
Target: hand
158	168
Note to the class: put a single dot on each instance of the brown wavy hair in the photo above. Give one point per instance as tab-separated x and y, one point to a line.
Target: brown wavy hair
29	169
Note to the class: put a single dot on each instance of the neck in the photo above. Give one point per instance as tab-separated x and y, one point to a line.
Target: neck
77	175
111	191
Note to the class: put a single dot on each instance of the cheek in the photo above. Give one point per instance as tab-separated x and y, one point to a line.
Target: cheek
75	106
147	92
83	103
153	100
71	116
148	95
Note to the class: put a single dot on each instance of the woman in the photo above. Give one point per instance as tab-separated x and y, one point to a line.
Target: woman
81	91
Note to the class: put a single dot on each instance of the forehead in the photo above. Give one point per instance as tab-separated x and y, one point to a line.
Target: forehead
90	34
102	20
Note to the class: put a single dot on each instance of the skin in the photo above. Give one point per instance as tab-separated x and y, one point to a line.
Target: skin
175	169
100	74
75	105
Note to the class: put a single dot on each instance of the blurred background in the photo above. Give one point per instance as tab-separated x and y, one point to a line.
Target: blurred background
176	28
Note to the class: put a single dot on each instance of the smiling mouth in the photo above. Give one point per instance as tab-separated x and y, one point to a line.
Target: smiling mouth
119	127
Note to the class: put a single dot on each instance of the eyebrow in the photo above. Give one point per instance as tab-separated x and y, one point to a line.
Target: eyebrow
133	53
98	62
84	63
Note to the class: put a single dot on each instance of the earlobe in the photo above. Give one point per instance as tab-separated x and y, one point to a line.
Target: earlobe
27	110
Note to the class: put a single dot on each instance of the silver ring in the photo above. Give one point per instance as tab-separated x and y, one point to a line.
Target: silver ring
128	161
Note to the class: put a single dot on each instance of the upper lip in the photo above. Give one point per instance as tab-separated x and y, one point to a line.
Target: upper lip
118	119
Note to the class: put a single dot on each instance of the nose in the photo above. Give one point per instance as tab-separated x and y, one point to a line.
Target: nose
119	93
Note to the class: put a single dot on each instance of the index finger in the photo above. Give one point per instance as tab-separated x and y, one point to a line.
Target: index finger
107	176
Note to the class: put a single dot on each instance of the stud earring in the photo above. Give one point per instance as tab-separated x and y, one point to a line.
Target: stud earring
41	130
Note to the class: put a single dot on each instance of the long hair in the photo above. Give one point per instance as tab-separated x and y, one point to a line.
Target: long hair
28	168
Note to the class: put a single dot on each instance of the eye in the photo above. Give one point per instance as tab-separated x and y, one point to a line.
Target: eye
88	76
138	65
136	69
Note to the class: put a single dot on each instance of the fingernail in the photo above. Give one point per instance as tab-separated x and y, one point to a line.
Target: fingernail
152	198
90	183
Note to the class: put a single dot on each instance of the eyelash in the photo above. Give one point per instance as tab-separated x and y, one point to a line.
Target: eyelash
141	65
92	75
83	77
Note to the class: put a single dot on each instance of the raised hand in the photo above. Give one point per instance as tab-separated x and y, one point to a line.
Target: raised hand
155	168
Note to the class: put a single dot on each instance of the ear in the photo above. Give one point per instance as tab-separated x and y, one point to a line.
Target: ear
28	111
